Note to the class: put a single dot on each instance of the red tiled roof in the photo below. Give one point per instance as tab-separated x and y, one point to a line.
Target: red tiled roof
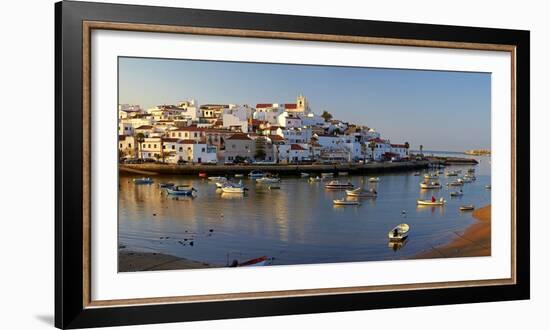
187	141
170	139
377	140
276	137
190	129
296	147
145	127
239	136
264	105
290	106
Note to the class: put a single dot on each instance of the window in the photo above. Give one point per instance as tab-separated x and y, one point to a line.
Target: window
202	149
120	146
181	149
154	146
143	145
149	145
195	135
173	147
129	145
179	134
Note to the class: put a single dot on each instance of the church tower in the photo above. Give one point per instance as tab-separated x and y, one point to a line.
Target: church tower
301	104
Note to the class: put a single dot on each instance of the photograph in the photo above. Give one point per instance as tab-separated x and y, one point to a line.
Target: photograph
242	164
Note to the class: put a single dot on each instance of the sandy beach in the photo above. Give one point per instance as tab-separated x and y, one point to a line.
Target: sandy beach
132	261
475	241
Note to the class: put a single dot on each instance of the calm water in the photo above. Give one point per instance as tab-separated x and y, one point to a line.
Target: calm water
297	224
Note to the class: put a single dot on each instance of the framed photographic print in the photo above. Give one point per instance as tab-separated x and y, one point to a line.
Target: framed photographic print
218	164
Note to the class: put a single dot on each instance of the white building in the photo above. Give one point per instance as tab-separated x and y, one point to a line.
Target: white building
297	135
127	126
236	118
188	151
381	148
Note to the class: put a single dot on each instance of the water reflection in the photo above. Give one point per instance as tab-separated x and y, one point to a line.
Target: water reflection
296	224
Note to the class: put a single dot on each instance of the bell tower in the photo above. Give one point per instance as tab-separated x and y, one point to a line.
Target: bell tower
301	104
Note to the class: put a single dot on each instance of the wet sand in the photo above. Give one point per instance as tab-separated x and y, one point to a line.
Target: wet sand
132	261
475	241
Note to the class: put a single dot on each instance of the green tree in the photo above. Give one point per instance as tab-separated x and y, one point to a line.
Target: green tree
326	115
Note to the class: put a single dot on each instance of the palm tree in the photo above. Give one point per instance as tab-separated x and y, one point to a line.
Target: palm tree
372	146
421	153
407	147
364	151
140	137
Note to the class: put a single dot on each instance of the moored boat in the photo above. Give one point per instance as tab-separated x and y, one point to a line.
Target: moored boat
456	183
360	192
256	174
456	193
165	184
233	190
416	174
374	179
239	175
430	185
344	201
429	202
431	176
469	207
315	179
267	179
336	185
399	232
488	187
451	173
327	175
143	181
182	190
304	175
217	178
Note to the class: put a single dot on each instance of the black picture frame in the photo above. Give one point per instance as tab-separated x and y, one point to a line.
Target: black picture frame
70	310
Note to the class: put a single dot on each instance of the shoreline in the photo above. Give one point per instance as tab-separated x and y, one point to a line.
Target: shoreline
286	169
474	241
134	261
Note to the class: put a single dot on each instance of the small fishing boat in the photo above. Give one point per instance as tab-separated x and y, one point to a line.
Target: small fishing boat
166	185
343	173
336	185
429	202
239	175
304	175
327	175
261	261
451	173
456	193
360	192
488	186
430	185
182	190
267	179
315	179
375	179
233	190
430	176
256	174
399	232
217	178
230	184
143	181
344	201
273	187
456	183
466	207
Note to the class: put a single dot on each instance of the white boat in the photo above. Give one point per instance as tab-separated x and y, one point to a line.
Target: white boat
182	190
304	175
230	184
143	181
430	185
217	178
256	174
451	173
439	202
360	192
327	175
273	187
336	185
344	201
488	186
239	175
233	190
374	179
456	183
431	176
399	232
315	179
456	193
267	179
466	207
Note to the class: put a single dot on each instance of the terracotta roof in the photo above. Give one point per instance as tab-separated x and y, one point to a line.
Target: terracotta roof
276	137
187	141
190	129
290	106
145	127
264	105
239	136
377	140
296	147
170	139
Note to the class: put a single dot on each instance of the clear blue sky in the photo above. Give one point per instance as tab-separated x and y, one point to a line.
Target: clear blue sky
440	110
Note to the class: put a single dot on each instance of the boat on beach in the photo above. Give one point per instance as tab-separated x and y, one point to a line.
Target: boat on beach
337	185
261	261
399	232
360	192
344	201
181	190
143	181
374	179
469	207
430	185
429	202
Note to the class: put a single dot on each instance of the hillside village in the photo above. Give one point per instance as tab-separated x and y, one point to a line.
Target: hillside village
272	133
